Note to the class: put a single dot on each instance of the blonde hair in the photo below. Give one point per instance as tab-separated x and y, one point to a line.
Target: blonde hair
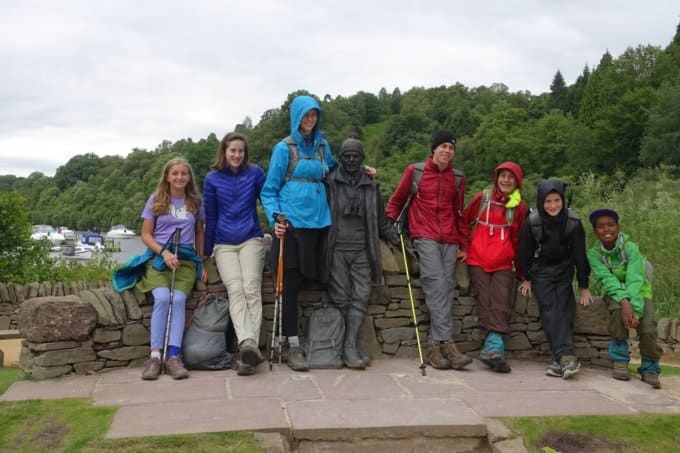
161	203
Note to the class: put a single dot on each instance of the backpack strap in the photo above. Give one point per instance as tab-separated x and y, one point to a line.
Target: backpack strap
294	157
485	205
536	225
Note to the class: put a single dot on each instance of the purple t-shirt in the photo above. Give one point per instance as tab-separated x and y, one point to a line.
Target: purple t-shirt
177	217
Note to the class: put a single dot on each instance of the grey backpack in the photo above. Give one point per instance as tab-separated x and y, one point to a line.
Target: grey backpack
205	343
325	339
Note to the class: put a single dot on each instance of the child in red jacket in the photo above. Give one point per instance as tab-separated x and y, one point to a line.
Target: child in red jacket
493	220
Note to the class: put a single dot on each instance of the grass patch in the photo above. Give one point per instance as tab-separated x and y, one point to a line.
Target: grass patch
8	376
73	425
666	370
231	442
647	432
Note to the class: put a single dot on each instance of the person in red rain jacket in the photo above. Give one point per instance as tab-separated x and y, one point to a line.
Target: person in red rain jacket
492	221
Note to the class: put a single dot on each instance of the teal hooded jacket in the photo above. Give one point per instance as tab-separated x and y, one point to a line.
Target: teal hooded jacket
303	198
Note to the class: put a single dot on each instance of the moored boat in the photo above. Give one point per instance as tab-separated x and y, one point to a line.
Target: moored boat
120	232
46	233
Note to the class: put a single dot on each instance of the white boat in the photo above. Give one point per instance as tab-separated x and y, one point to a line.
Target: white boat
89	247
46	233
120	232
68	233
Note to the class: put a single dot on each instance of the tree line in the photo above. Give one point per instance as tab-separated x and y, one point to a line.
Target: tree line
617	117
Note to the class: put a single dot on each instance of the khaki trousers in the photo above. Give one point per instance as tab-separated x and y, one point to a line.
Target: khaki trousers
240	267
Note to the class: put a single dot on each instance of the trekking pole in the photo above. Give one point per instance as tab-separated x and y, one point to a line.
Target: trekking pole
410	292
174	239
278	301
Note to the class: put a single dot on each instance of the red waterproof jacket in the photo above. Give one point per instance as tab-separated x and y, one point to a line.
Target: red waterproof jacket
435	210
492	241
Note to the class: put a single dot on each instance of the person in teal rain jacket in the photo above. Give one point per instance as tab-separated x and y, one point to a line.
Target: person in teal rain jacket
294	187
619	267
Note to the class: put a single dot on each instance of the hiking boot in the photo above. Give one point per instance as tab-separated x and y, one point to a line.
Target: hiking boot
620	371
245	369
434	356
457	359
249	352
651	379
297	359
554	370
152	368
496	361
570	366
175	368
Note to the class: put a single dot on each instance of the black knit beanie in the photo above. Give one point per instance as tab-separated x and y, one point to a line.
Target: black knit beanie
442	136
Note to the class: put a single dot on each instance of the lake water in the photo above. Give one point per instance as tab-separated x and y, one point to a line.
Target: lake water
128	248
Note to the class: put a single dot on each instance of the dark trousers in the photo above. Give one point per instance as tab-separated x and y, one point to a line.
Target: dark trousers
495	297
300	262
349	281
557	306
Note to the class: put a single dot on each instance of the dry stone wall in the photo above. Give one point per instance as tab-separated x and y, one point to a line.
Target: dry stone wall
91	328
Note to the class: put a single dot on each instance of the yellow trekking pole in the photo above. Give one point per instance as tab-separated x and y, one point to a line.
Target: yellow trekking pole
408	283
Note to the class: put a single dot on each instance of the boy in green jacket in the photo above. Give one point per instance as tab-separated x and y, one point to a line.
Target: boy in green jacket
617	264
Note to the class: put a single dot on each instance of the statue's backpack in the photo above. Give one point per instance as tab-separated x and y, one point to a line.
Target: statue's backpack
325	339
205	343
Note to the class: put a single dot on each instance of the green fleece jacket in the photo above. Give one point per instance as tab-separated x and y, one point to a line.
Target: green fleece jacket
621	272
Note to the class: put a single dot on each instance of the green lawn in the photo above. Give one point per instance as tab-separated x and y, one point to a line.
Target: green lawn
74	425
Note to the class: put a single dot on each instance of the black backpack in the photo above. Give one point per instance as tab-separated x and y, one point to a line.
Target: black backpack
204	346
326	336
536	225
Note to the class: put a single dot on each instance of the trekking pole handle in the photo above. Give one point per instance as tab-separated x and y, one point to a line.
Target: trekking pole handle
279	267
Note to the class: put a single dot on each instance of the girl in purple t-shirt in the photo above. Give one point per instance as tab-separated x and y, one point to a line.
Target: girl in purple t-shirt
175	204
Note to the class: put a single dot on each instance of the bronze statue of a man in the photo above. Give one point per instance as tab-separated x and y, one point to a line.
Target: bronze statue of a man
352	261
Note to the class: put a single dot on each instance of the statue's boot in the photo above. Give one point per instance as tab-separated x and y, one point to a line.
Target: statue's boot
351	354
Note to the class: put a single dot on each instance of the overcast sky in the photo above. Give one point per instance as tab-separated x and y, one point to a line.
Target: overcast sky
107	77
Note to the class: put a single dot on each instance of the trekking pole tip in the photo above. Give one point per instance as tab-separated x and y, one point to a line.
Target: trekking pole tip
422	369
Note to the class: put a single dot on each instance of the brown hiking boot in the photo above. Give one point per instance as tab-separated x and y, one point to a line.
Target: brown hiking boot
152	368
620	371
457	359
651	379
434	356
175	368
249	352
496	361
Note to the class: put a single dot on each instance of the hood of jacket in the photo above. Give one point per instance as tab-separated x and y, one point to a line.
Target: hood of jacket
512	167
298	108
544	188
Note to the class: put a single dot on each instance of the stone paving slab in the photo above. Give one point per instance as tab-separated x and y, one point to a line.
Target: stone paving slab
522	403
198	416
389	397
66	387
354	386
298	386
330	420
165	388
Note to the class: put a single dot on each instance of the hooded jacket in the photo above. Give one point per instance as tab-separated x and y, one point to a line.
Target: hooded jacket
492	243
434	212
622	279
559	254
303	201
